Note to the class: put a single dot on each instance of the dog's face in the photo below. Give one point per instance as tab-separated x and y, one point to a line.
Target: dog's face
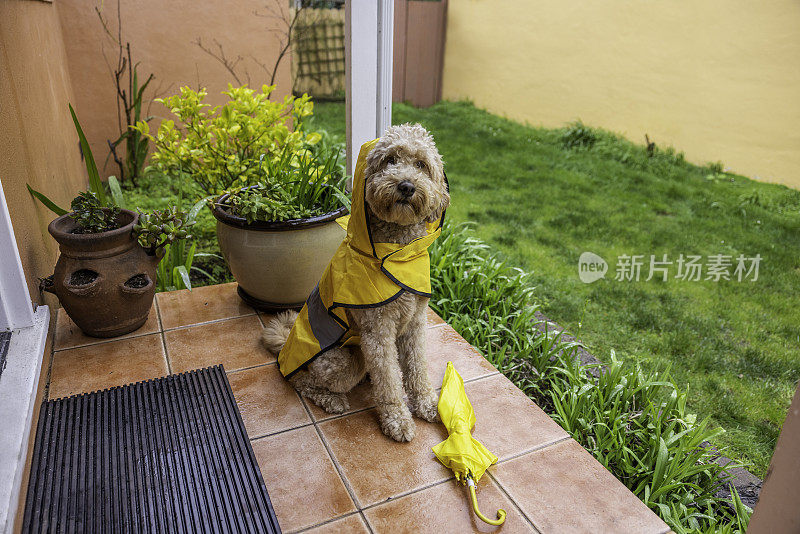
405	178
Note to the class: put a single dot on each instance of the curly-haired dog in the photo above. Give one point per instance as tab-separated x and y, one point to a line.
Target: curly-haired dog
404	191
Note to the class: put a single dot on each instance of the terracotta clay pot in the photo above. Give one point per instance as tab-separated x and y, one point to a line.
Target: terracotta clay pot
105	281
277	264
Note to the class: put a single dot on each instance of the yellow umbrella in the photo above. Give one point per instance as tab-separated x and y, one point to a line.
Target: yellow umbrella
462	453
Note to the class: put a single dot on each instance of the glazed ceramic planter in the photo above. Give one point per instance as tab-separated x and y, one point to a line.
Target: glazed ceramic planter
105	281
277	264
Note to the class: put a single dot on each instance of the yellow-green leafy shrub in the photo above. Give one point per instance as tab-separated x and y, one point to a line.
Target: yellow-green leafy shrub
224	146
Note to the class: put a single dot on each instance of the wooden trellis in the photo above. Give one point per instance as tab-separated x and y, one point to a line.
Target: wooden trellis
319	54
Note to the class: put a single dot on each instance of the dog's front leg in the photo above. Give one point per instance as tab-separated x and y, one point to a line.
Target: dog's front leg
381	360
412	346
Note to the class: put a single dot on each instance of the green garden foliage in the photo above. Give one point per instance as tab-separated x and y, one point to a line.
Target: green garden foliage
159	228
165	233
634	422
96	188
157	191
222	147
292	187
578	135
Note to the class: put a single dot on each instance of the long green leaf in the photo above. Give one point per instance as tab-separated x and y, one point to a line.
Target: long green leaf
190	256
95	185
181	271
116	191
192	215
134	93
203	272
55	208
139	91
176	252
142	144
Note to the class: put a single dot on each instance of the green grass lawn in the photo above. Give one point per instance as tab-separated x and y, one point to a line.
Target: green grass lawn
735	345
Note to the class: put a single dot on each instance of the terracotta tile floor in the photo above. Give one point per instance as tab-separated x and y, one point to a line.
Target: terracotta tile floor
338	473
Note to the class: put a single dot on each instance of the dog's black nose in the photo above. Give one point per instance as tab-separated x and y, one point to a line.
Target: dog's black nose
406	188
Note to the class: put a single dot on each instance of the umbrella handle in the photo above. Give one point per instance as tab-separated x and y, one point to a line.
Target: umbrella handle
501	514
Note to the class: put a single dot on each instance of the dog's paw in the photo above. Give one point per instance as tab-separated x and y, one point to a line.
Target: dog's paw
334	403
399	428
426	408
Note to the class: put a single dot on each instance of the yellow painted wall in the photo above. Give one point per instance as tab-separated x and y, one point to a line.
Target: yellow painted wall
717	79
38	143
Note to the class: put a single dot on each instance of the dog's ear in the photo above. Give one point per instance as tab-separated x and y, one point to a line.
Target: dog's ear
441	187
443	194
436	214
375	159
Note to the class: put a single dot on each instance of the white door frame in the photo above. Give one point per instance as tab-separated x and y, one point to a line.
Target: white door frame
20	379
368	30
16	309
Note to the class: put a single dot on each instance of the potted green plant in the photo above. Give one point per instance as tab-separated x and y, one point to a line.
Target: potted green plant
104	277
276	192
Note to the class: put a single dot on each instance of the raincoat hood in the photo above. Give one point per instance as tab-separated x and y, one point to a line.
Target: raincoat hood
361	274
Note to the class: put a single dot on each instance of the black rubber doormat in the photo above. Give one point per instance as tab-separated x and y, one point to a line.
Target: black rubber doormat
165	455
5	342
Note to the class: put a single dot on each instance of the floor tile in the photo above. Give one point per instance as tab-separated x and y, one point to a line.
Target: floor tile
360	397
235	343
378	467
446	508
562	489
68	335
303	484
445	344
507	421
201	304
432	319
267	402
86	369
350	524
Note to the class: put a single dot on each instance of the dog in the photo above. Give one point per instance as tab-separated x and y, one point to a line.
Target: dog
405	189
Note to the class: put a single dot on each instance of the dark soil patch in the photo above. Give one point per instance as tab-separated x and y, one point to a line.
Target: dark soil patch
82	277
80	230
138	281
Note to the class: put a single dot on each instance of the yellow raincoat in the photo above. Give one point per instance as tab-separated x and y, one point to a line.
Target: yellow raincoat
362	274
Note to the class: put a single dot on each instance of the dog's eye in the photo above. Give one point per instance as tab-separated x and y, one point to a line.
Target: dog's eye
390	160
421	165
